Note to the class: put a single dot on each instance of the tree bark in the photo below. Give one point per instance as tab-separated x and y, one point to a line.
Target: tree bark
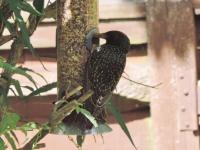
75	18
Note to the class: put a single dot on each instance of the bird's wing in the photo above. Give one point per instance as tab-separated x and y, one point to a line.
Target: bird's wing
106	68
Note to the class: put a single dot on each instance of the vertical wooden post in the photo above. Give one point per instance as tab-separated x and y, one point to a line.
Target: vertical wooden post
172	52
75	18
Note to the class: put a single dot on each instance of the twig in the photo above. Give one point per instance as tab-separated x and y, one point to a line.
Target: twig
7	12
50	11
40	135
72	140
85	96
66	110
5	39
67	95
150	86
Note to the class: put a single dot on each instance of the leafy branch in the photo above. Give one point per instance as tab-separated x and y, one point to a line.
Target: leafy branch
19	33
57	116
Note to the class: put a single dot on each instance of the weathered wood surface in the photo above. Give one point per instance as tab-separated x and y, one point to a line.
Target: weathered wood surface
121	9
172	54
196	3
44	36
113	9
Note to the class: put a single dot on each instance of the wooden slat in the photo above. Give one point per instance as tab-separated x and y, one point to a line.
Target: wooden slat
44	36
136	69
173	63
113	9
127	9
136	30
121	9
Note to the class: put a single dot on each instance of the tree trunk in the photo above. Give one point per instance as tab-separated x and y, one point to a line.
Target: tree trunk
75	19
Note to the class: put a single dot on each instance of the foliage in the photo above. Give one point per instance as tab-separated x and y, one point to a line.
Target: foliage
88	115
8	124
11	18
112	108
20	30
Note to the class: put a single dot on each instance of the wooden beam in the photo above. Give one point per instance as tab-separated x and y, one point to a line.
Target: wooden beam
44	36
172	53
121	9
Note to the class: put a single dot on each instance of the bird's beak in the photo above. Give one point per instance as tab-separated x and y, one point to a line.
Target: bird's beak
100	35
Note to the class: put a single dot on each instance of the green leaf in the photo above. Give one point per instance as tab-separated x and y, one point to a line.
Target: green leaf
17	87
8	25
2	144
13	3
30	70
112	108
15	7
15	70
43	89
28	87
88	115
39	5
27	127
24	32
23	5
10	140
8	122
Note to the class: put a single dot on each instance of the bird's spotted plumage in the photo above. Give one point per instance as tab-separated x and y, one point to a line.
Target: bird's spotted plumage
105	67
103	71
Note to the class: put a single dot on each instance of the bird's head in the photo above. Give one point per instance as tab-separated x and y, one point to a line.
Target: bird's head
116	38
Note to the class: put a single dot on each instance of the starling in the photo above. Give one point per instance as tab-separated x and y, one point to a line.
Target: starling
104	69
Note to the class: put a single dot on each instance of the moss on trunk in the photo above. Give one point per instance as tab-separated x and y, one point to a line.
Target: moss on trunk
75	18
